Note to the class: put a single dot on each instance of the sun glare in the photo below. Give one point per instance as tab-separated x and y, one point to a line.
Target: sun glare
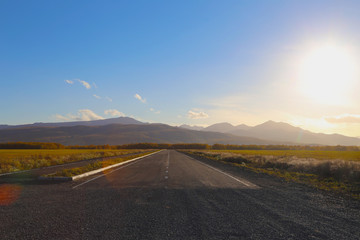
327	75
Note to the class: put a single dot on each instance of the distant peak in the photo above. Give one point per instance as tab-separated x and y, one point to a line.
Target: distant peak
220	127
270	122
277	125
222	124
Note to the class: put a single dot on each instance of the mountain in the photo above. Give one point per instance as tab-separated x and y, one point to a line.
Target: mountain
220	127
197	128
121	134
124	130
101	122
225	127
242	127
284	132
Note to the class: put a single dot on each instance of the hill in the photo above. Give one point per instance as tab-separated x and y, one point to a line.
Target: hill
101	122
283	132
124	130
225	127
121	134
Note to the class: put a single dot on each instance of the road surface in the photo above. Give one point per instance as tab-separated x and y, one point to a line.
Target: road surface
172	196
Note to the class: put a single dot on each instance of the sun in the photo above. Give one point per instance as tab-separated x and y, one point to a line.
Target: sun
327	75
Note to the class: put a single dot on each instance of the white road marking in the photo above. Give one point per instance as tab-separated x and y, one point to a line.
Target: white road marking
248	184
167	167
59	165
92	179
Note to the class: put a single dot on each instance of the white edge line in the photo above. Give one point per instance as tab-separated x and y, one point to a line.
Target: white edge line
248	184
112	166
58	165
92	179
108	167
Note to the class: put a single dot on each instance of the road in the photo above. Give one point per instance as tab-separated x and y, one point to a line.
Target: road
172	196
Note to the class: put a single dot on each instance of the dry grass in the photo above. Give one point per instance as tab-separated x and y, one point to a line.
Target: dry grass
313	154
19	159
332	174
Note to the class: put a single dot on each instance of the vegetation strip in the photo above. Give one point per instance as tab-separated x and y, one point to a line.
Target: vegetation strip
349	155
90	169
332	175
16	160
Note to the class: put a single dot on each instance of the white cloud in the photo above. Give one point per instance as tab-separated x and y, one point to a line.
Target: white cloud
344	118
109	99
154	111
197	115
141	99
96	96
82	115
61	118
69	81
87	115
114	113
84	83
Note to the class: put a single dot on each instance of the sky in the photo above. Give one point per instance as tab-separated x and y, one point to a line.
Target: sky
182	62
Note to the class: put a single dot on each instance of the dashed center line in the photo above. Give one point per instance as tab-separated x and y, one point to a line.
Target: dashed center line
167	166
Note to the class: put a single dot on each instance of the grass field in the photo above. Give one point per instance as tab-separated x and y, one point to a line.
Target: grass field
321	155
19	159
330	170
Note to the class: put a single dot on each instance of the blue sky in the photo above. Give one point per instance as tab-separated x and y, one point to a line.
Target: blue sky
175	62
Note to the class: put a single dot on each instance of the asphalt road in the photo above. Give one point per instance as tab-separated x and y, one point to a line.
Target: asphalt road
172	196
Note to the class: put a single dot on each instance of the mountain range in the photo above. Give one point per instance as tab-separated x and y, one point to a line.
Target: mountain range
124	130
281	132
115	134
119	120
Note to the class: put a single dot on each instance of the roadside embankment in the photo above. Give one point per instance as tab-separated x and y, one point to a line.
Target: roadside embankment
337	175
